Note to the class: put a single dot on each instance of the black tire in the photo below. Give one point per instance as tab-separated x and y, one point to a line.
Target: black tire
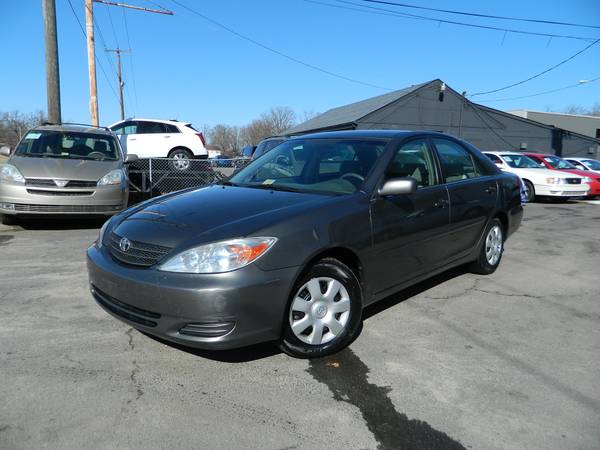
181	157
333	269
8	219
530	193
482	264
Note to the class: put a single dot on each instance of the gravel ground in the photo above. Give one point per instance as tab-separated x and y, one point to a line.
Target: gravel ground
508	361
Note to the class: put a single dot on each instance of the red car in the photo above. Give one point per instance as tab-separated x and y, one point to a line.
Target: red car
553	162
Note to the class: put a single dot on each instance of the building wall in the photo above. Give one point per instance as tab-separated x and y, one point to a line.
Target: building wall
486	128
587	125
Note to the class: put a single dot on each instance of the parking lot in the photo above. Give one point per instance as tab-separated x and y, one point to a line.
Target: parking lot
461	361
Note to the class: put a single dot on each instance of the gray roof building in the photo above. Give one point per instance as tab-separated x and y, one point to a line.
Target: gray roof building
435	106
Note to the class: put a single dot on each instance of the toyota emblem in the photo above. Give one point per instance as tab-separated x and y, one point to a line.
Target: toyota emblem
124	244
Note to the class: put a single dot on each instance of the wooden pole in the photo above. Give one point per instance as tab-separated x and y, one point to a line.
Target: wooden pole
120	78
52	73
89	26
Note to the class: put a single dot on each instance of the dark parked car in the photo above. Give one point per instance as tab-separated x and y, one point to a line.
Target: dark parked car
296	244
266	145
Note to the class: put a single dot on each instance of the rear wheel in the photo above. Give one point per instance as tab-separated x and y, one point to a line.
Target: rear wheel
180	158
529	191
491	250
324	313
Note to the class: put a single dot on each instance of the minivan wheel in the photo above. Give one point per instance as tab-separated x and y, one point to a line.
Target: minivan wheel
324	313
491	250
7	219
180	158
529	191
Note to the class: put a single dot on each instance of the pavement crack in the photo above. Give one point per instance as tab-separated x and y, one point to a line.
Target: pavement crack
133	376
346	377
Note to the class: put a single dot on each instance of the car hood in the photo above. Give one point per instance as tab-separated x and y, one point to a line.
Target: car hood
59	168
581	173
212	213
539	174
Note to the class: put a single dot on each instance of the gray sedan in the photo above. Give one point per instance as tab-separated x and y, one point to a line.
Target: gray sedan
296	244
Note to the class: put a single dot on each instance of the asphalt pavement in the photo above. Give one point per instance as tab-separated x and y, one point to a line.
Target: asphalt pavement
507	361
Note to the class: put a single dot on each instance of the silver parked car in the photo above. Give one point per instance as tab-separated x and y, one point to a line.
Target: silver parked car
64	169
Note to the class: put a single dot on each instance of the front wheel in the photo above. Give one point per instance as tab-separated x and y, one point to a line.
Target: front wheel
529	191
324	314
491	250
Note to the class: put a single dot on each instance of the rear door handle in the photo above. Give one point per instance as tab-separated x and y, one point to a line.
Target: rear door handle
166	137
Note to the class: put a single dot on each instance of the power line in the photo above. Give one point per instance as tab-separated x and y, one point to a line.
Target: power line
541	93
488	16
277	52
452	22
540	73
97	60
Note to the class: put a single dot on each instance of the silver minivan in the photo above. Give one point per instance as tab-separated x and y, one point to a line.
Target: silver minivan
64	170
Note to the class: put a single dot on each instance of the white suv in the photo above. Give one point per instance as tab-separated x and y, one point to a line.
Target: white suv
150	138
538	180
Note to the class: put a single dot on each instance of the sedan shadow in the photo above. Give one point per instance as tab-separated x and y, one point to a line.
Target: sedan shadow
61	223
267	349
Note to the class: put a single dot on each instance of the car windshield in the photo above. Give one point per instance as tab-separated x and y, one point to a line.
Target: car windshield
558	163
592	164
520	162
327	166
68	145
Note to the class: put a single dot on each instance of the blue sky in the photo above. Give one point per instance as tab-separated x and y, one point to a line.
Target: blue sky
187	68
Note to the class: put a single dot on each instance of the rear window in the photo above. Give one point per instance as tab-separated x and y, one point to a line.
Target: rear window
68	145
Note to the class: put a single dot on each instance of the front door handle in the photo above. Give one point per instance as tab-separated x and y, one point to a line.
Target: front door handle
441	203
490	189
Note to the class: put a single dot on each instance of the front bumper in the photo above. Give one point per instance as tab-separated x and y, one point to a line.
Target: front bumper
16	199
210	311
562	190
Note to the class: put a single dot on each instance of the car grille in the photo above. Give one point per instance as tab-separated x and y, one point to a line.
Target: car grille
128	312
98	209
138	254
59	193
43	182
573	180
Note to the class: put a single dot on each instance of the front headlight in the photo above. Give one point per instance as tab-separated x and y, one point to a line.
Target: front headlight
10	173
219	257
112	177
100	239
586	180
553	180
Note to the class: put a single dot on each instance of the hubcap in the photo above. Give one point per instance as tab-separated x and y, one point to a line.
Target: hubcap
320	311
181	161
493	245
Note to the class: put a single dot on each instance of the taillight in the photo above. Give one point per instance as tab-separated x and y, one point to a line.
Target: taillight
201	136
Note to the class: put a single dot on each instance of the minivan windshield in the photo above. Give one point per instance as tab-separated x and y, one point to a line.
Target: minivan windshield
68	145
328	166
520	162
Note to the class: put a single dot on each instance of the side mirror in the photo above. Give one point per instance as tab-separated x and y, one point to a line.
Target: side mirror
5	151
398	186
131	158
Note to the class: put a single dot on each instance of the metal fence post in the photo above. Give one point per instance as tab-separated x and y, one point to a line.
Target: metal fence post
150	174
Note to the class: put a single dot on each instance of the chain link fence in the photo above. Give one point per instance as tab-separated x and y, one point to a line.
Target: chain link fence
150	177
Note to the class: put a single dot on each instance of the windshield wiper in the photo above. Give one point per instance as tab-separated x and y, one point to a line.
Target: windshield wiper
226	183
273	187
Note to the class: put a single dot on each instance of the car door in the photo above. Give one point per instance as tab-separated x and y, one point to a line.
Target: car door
408	229
151	139
473	195
127	132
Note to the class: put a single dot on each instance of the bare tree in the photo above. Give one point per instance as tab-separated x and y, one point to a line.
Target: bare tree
279	119
594	110
225	136
14	124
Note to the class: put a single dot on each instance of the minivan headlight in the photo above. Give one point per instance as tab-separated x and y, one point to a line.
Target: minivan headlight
100	239
10	173
112	177
219	257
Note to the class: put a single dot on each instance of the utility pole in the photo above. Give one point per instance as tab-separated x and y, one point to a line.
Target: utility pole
91	51
119	78
52	74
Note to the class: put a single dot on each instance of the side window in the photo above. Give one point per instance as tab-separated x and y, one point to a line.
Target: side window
126	128
413	159
457	163
495	159
150	128
171	128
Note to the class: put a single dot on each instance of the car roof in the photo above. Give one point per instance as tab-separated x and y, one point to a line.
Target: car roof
171	121
509	152
75	128
538	154
352	134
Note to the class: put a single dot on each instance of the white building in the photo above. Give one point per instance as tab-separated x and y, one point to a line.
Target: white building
586	125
